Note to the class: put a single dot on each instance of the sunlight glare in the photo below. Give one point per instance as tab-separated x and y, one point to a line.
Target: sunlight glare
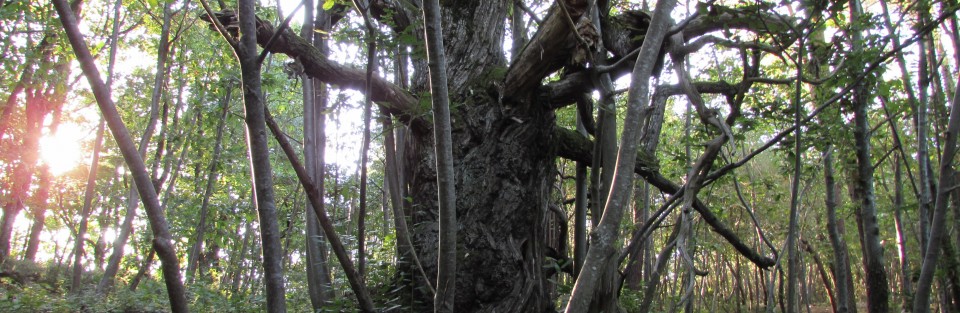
62	151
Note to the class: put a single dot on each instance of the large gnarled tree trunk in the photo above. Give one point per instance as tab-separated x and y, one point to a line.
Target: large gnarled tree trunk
505	140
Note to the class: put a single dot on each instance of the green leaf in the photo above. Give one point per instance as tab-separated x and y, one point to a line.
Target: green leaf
328	4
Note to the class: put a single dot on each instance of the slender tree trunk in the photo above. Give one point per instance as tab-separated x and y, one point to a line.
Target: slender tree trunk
39	209
144	268
194	257
88	195
353	277
605	298
653	282
875	276
635	274
846	300
260	158
393	178
923	144
162	241
447	257
580	211
898	203
314	147
364	8
126	228
793	232
237	258
924	284
824	277
89	191
604	237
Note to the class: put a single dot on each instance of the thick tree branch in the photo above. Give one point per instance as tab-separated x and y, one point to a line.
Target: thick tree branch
566	91
397	14
391	98
573	146
552	46
549	49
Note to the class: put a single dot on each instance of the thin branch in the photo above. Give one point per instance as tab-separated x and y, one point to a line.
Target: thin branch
525	8
220	28
273	39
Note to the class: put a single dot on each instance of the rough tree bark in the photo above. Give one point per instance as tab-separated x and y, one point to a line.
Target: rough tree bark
505	142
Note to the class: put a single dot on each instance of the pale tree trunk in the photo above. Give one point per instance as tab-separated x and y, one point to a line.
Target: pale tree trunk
793	232
923	144
314	146
922	192
605	151
262	173
162	241
89	191
126	227
898	203
447	251
843	279
605	235
937	228
364	8
875	274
